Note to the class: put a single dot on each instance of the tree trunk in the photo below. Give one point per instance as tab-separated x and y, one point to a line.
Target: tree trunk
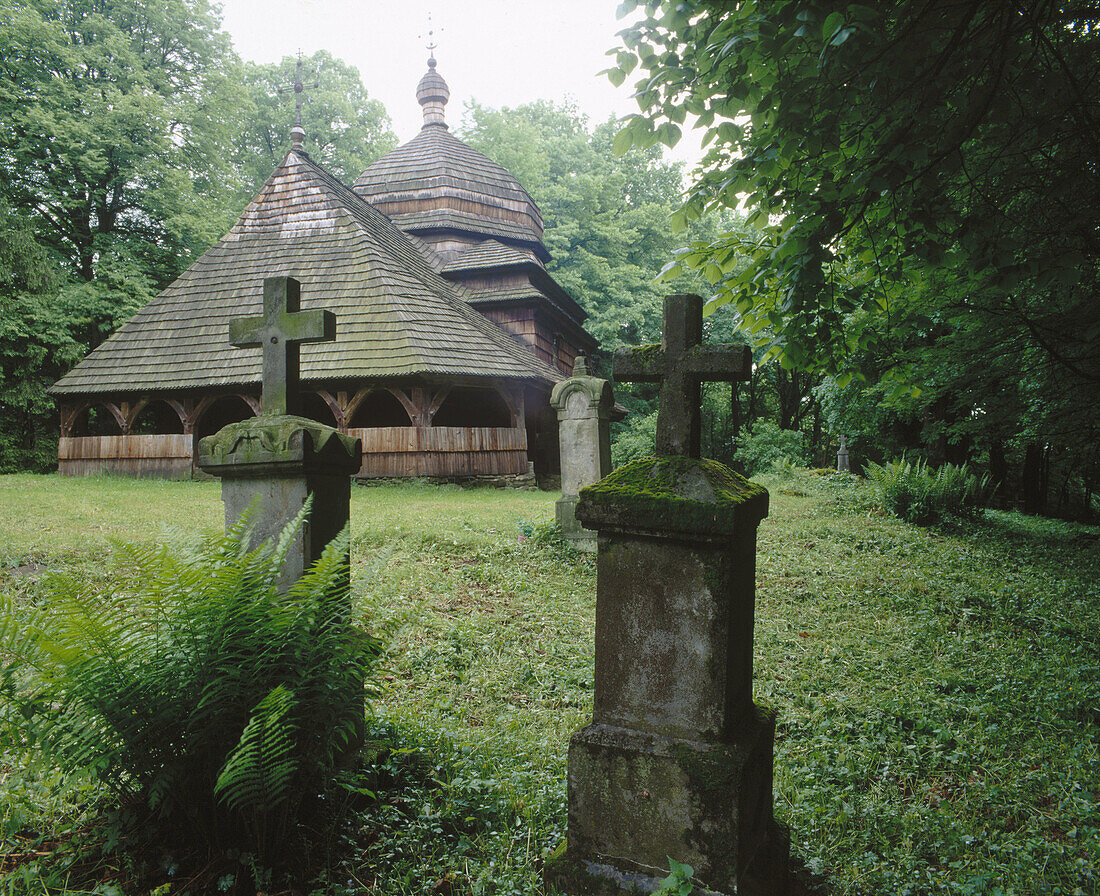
998	472
735	412
815	438
1036	474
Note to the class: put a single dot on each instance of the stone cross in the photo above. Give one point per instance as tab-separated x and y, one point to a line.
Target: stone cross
279	332
842	463
680	364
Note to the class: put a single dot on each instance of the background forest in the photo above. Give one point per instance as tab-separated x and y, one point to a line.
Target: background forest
937	299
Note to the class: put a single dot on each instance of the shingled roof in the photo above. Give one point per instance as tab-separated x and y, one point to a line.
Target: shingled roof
435	182
491	254
396	315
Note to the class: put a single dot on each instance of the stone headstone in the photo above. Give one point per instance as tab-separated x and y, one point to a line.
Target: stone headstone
274	463
677	761
842	464
584	406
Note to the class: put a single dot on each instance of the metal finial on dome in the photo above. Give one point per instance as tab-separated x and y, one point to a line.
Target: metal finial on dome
432	94
298	133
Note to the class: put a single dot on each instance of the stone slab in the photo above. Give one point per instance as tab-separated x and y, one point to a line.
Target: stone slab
674	631
634	796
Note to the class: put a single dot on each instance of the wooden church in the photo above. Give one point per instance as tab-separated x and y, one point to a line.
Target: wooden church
450	332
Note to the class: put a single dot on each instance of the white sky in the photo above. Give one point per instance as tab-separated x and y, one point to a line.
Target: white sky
499	52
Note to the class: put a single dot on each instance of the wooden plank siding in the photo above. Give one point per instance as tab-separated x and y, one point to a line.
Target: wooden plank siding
163	456
403	451
442	451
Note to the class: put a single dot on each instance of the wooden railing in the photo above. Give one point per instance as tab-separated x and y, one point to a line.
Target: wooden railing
402	451
165	455
442	451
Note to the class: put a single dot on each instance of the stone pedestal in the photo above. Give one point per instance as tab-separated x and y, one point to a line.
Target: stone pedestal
584	406
273	464
678	760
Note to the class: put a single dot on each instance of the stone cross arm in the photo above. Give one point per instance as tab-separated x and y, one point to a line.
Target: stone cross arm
725	363
680	363
279	332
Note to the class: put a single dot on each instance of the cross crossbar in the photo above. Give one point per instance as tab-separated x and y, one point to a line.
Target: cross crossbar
680	363
280	332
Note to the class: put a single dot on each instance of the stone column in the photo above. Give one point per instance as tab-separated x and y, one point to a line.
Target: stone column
678	759
273	464
584	405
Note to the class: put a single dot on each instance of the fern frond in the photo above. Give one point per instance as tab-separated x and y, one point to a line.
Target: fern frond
257	774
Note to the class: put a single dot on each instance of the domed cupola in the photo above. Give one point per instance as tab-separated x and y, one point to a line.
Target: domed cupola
432	93
447	193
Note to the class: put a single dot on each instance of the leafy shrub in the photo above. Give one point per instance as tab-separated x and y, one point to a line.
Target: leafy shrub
211	705
637	440
918	494
764	447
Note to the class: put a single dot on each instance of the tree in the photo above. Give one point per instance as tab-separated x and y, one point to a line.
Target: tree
111	118
925	175
606	218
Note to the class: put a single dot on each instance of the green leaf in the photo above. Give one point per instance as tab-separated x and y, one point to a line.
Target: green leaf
832	23
670	271
623	142
669	134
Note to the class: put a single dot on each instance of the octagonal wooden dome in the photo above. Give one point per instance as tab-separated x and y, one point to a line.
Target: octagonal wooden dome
436	187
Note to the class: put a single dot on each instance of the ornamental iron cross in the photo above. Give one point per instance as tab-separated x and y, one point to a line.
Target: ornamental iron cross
680	364
279	332
298	87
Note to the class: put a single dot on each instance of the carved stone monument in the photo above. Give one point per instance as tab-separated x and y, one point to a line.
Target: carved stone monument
842	463
276	461
584	406
677	761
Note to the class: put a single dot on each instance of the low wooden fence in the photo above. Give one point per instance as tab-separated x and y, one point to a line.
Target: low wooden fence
406	451
388	451
165	456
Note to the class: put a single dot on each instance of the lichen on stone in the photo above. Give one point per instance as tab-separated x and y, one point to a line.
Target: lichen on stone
683	493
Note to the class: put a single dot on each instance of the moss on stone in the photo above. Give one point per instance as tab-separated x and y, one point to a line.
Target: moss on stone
646	352
681	493
276	439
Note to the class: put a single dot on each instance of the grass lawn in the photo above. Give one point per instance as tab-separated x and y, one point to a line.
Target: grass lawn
938	690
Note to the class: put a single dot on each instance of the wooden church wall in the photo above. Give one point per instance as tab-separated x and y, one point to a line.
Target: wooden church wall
388	451
162	456
444	451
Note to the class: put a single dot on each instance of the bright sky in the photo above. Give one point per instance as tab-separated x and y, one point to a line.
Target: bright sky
499	52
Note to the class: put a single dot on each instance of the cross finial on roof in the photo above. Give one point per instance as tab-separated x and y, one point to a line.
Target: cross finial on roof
680	363
297	133
279	333
432	92
431	45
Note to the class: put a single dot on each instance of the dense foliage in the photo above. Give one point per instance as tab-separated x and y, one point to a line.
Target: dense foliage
924	180
131	137
913	492
212	705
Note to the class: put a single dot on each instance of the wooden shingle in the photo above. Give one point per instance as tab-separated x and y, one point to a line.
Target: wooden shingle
396	314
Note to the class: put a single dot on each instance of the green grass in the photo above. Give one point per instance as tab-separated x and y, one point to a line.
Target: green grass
938	690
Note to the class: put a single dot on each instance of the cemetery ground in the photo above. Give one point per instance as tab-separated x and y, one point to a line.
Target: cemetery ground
938	691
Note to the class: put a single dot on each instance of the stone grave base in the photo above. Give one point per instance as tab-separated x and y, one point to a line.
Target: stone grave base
634	795
574	534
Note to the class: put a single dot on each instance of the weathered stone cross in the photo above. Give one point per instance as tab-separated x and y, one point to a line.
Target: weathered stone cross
279	332
680	364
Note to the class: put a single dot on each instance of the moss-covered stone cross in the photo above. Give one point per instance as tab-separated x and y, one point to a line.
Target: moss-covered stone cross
680	363
280	331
